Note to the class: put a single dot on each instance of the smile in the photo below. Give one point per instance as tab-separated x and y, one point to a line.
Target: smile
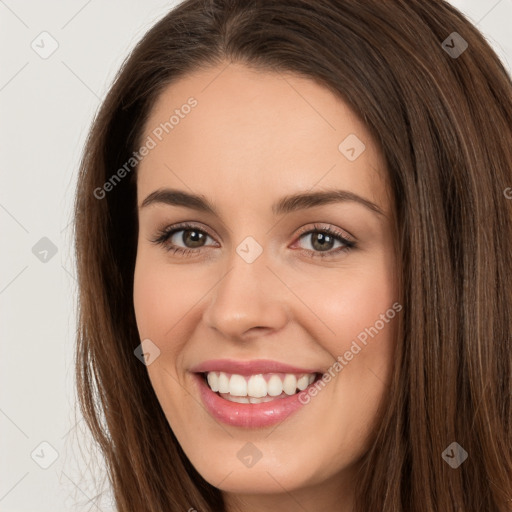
248	411
257	388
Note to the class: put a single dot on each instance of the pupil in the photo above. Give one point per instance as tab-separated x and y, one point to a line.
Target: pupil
321	239
195	236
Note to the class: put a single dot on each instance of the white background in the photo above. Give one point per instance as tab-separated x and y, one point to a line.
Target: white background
46	109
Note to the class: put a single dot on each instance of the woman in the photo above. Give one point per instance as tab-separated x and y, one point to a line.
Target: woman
294	243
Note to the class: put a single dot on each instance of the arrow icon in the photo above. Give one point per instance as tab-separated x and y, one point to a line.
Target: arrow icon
454	45
147	352
249	253
454	455
44	455
249	455
351	147
44	44
44	250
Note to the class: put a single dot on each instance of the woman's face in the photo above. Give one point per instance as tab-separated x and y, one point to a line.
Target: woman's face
254	286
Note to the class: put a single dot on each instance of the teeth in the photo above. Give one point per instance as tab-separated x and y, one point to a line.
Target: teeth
290	384
260	400
303	382
238	386
246	399
257	388
213	381
274	386
239	399
223	383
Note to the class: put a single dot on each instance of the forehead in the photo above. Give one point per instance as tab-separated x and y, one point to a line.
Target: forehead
250	133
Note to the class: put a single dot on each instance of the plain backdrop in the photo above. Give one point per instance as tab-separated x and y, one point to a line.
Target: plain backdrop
46	107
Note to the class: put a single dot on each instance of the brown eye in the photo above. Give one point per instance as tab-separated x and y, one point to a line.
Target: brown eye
323	240
192	238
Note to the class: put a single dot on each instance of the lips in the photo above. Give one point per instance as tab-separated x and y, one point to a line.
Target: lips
248	415
260	415
252	367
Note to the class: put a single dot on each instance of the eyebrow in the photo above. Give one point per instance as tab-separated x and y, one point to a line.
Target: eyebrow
285	205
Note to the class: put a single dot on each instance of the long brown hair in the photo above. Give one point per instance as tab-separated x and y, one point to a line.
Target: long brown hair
444	121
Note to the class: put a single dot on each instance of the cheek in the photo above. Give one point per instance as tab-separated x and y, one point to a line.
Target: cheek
163	301
355	322
348	301
162	295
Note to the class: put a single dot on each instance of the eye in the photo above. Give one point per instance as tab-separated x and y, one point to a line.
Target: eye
191	235
322	240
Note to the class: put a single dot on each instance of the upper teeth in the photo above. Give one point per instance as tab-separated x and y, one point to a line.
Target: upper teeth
259	385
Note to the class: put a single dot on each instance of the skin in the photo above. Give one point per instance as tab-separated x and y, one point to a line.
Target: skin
252	138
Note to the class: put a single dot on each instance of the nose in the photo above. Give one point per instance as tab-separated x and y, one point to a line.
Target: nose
248	300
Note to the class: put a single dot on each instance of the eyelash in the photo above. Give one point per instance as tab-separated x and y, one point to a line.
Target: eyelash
164	235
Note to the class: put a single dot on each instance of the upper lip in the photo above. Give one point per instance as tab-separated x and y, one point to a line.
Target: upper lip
252	367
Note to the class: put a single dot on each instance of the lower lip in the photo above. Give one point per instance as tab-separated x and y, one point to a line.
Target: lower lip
259	415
